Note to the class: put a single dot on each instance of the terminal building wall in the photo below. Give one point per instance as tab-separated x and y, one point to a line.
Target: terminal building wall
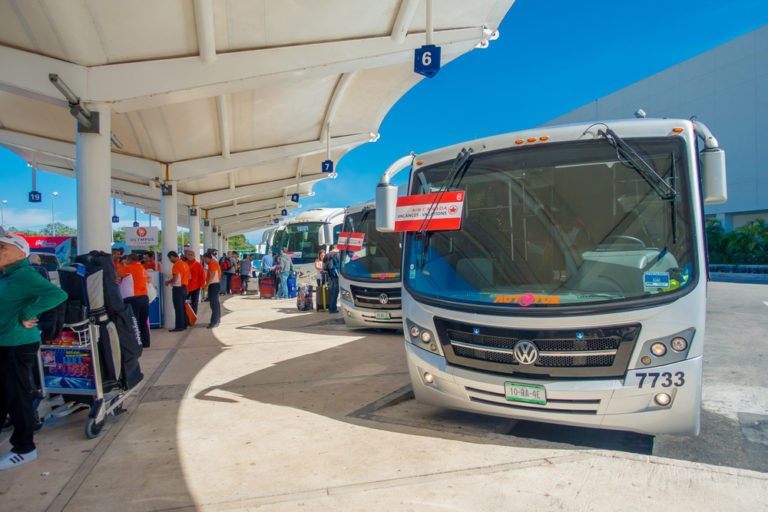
727	89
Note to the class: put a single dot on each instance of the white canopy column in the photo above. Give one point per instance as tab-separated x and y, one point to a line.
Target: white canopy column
194	230
169	214
207	236
93	173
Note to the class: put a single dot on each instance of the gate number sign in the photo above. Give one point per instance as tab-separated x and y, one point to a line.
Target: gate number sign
426	60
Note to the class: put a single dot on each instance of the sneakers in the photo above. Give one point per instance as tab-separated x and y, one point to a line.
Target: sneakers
211	326
13	459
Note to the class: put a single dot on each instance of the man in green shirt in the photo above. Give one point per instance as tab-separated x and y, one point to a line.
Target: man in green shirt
24	294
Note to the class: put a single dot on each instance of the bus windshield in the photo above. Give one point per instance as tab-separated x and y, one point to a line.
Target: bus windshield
561	224
380	257
300	239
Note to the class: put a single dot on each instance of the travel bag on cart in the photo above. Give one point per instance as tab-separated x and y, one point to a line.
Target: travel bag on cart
321	297
304	298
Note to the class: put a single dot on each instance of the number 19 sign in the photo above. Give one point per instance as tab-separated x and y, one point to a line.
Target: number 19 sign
426	60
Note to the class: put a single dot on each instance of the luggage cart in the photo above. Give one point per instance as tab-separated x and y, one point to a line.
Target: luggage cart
71	378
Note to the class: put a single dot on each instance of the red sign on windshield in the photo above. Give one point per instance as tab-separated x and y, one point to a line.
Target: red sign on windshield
446	214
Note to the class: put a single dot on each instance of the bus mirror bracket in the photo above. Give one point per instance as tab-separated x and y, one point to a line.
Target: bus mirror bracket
386	195
712	167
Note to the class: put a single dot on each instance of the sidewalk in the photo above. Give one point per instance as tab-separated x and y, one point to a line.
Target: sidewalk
257	415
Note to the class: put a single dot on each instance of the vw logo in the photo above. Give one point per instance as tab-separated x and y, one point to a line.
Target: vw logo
526	352
476	331
579	336
383	298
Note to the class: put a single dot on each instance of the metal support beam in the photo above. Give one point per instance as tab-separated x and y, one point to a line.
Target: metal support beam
403	20
206	38
223	117
208	166
194	230
219	196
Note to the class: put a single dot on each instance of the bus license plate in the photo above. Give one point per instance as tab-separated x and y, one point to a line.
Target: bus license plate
382	315
530	393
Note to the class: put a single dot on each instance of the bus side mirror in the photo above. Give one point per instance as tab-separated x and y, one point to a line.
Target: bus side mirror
712	165
386	206
321	238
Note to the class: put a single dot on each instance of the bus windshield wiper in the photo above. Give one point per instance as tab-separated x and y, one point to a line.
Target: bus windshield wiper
458	170
627	154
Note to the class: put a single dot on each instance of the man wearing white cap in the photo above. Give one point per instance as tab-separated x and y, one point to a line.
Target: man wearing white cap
24	294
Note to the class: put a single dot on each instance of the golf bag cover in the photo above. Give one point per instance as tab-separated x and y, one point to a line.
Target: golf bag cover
129	349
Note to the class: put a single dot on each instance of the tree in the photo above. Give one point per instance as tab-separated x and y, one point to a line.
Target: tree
239	243
118	235
61	230
27	232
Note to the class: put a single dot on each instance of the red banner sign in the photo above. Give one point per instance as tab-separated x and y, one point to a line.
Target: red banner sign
342	242
412	212
355	241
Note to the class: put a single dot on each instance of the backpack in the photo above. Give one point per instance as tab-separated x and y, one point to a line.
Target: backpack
331	266
226	264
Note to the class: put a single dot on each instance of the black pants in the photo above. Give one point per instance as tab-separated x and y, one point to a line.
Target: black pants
194	298
17	393
179	296
213	297
140	306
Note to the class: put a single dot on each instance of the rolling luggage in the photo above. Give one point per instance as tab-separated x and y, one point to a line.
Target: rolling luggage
291	281
236	284
266	287
304	298
322	297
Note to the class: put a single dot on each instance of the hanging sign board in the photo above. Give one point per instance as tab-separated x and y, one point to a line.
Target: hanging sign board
342	242
327	165
283	212
35	197
141	236
115	219
412	211
295	198
355	241
426	60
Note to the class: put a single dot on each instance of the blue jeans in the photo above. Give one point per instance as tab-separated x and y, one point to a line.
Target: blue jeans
283	294
333	290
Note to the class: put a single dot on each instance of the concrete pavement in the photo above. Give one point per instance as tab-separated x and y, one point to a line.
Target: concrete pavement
270	411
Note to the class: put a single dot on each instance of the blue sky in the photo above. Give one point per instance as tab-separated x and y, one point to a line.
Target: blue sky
552	57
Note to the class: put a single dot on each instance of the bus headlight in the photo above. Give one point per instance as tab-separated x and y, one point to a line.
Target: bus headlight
346	295
421	337
658	349
662	399
679	344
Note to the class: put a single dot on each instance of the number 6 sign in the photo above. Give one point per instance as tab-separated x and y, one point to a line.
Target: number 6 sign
426	60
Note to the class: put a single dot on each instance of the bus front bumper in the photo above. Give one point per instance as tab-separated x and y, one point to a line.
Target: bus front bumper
615	404
356	318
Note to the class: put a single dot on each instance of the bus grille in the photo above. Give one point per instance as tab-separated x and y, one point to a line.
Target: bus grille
568	353
372	297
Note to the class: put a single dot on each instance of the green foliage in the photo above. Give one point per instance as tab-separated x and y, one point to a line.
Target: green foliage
745	245
239	243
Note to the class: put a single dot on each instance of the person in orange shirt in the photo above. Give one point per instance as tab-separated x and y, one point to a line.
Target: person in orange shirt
197	279
149	261
140	300
213	283
179	281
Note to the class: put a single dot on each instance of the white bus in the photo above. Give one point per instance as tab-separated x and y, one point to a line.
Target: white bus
369	281
574	291
304	235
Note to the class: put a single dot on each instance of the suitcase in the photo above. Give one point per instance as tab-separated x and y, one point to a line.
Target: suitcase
304	298
266	287
235	284
291	287
322	297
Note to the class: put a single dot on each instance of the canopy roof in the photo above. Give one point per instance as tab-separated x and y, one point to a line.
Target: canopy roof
238	100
